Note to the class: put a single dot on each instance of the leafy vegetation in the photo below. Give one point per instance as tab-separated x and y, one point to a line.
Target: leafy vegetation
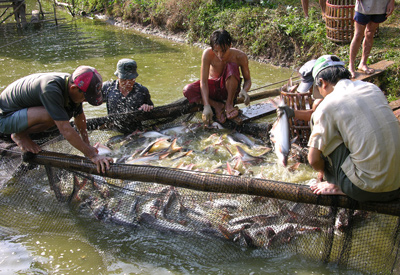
273	31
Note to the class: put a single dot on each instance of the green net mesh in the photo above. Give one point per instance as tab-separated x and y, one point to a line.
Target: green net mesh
246	216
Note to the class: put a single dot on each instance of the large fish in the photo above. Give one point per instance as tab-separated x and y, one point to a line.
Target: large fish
247	158
279	136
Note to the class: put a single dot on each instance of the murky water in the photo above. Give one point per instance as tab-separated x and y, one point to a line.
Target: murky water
38	240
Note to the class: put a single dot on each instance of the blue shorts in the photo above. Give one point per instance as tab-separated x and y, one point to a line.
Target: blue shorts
364	19
15	122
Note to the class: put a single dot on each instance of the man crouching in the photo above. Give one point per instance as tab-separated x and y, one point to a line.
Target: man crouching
37	102
355	138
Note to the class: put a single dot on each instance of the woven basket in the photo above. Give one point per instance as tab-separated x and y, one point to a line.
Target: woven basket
299	128
339	20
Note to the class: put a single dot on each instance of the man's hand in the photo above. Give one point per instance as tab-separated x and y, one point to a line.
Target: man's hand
207	114
390	8
246	98
281	109
102	162
146	108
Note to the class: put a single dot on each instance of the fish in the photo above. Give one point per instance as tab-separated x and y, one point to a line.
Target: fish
148	158
175	131
231	171
161	145
102	149
280	137
162	225
239	137
247	158
154	134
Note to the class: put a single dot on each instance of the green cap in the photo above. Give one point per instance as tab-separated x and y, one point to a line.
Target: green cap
324	62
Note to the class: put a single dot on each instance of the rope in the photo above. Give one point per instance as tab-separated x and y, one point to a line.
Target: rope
271	84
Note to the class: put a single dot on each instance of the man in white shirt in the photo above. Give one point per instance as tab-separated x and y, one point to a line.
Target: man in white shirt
355	138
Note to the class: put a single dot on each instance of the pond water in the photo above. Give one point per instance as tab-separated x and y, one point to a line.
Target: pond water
164	67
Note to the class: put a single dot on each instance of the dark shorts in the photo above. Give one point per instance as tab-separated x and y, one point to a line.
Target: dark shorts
216	87
364	19
334	174
15	122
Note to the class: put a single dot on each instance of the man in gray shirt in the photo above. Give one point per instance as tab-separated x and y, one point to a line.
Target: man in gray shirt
37	102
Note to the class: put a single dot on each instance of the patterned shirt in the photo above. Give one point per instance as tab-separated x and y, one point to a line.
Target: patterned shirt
358	115
117	103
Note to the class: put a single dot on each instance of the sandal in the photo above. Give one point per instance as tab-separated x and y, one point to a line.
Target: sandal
233	113
367	71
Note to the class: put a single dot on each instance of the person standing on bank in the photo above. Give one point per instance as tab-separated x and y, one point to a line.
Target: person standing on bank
368	15
322	4
220	81
355	140
37	102
125	94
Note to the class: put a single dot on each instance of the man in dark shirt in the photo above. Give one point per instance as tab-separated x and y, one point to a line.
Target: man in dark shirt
125	94
37	102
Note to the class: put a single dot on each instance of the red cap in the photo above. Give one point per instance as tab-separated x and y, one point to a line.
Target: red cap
90	82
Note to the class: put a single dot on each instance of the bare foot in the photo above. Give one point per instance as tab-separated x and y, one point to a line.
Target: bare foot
231	113
352	72
220	113
366	69
25	143
325	188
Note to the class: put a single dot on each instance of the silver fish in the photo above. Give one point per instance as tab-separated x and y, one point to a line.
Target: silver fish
155	134
247	158
279	135
102	149
239	137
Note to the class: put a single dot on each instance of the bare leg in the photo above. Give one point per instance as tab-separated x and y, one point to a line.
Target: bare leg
367	46
38	121
304	4
231	86
355	46
326	188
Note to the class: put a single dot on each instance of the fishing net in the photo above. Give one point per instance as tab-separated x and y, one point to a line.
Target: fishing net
246	214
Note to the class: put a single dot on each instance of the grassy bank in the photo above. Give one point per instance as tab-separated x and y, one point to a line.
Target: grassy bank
272	31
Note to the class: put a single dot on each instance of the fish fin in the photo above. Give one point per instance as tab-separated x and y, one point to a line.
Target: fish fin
227	148
229	168
164	155
294	167
267	151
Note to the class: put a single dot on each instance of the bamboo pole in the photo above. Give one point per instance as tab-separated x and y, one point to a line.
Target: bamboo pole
208	182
